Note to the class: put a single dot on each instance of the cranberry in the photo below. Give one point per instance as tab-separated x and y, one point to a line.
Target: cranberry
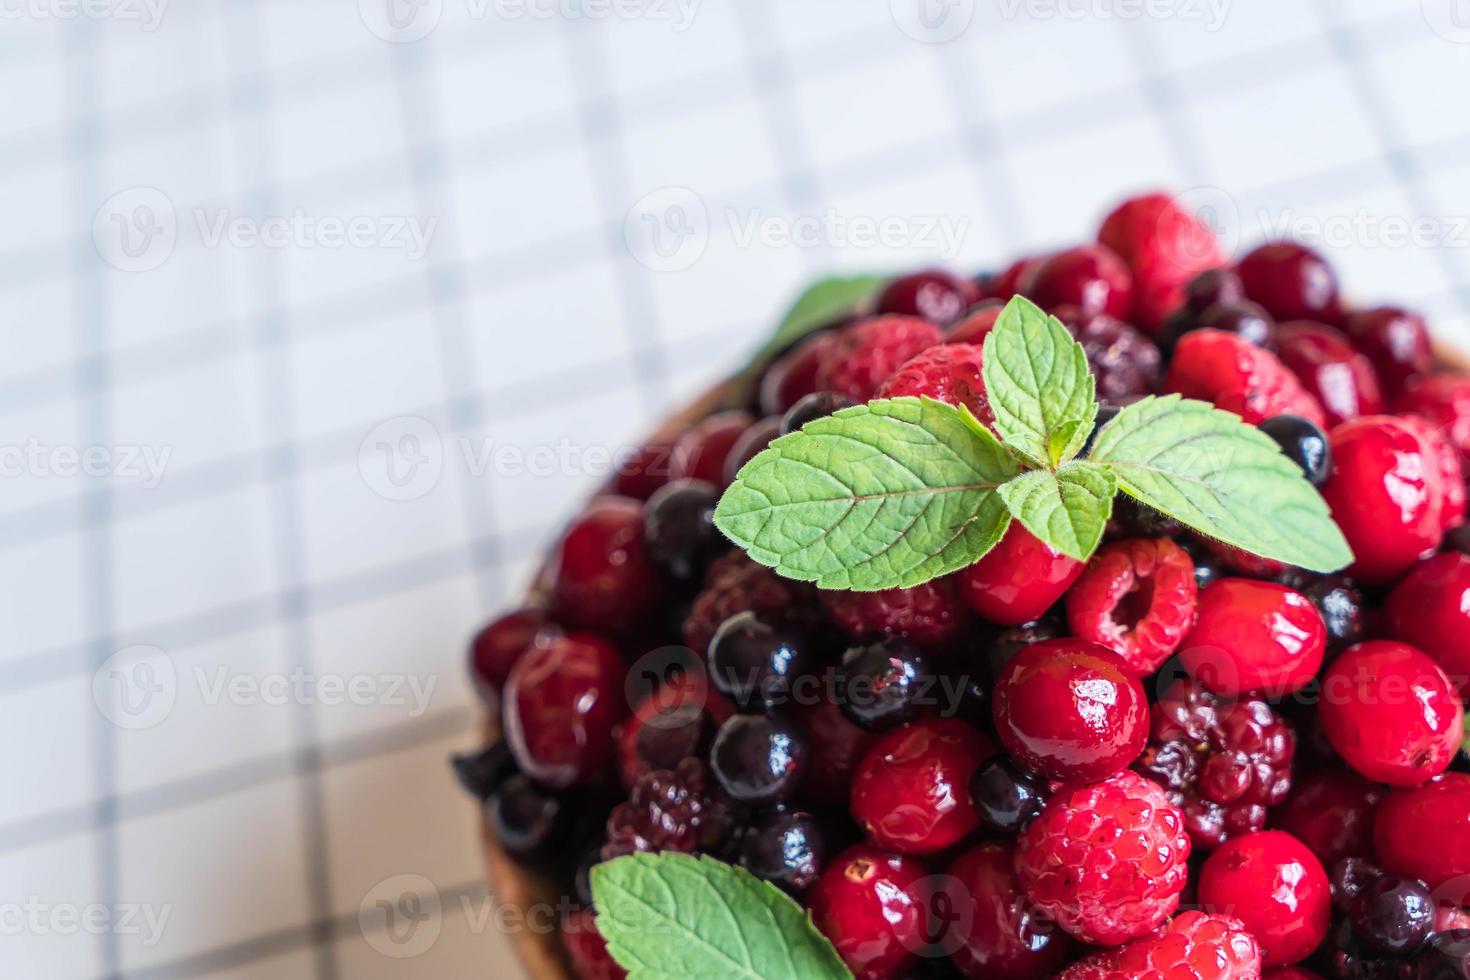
884	685
587	950
994	931
1272	883
1164	244
603	579
835	749
1331	811
910	793
975	327
1070	709
1304	444
1006	284
1430	609
873	907
927	614
758	758
701	453
754	662
1019	579
497	647
1421	832
1007	796
679	713
1090	277
1443	399
1385	494
1391	712
1292	281
1342	379
641	474
679	528
934	295
817	405
794	376
562	702
785	847
1395	340
1254	636
526	819
751	443
1137	598
1445	462
1245	319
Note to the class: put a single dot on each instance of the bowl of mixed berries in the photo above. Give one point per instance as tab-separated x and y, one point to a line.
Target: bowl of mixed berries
1104	617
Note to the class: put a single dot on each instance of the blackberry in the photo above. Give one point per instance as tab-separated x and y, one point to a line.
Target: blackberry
1222	762
1126	364
735	584
669	810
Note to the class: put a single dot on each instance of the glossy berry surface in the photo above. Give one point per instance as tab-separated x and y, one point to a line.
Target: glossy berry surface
1017	580
784	847
794	376
1165	245
873	906
587	950
1137	598
881	686
1194	946
641	473
1248	321
1430	609
603	578
990	929
672	721
1276	887
835	749
817	405
1342	379
927	614
526	819
1006	796
1437	812
934	295
1234	374
976	326
1395	340
562	702
910	795
735	584
700	453
753	662
758	759
1304	443
1254	636
949	373
679	528
1332	811
497	647
1393	916
1291	281
1391	713
1211	287
1089	277
1106	860
1443	399
868	352
669	810
1070	709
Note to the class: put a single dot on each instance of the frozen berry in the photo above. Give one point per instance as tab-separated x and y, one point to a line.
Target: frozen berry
603	579
1445	461
1165	244
1395	340
927	614
868	352
910	794
1304	443
1420	833
1430	609
1444	400
754	662
1391	712
1137	598
884	685
1194	946
1107	861
1331	811
526	819
1070	709
758	758
1019	579
735	584
976	326
669	810
679	528
873	906
794	376
990	929
949	373
835	748
700	453
1276	887
1393	916
1342	379
785	847
1089	277
934	295
817	405
1125	363
562	702
674	719
751	443
1007	797
1245	319
1254	636
587	950
1292	281
497	647
1235	375
482	773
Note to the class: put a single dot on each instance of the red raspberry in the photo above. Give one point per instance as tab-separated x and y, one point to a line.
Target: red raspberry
1332	811
974	328
1420	832
1089	277
497	647
1340	378
1291	281
587	949
1126	364
868	352
603	579
562	703
674	810
1165	245
1276	887
990	928
1019	579
910	793
934	295
1223	763
873	906
1238	376
794	376
1443	399
1137	598
1254	636
1391	713
1395	340
701	453
735	584
928	614
1107	861
1430	609
949	373
1194	946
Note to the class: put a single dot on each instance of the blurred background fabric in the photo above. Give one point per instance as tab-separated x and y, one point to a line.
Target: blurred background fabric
319	318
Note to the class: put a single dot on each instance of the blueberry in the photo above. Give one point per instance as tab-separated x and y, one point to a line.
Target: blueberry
1006	797
1105	414
671	735
1245	319
758	758
482	773
880	686
1341	606
786	848
526	819
1302	443
1349	878
1138	520
1213	286
679	528
753	662
1393	916
1206	565
817	405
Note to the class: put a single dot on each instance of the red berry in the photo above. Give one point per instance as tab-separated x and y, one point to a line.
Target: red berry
1254	636
603	579
1238	376
1291	281
751	443
1019	579
1340	378
669	810
1430	609
641	474
1006	284
674	720
868	352
1387	495
1289	973
1165	245
992	930
974	328
735	584
1391	713
928	614
1106	860
587	949
1070	709
1089	277
1194	946
1276	887
1237	561
837	748
873	907
949	373
1443	399
794	376
562	703
1331	811
910	793
1444	459
497	647
701	453
1421	833
1395	340
934	295
1137	598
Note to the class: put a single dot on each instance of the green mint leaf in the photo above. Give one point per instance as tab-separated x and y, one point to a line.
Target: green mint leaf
884	495
1212	471
1068	509
1038	382
820	305
671	917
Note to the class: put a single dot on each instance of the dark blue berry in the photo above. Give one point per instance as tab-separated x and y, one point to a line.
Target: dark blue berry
482	773
526	819
1393	916
882	686
753	662
671	735
817	405
1341	606
758	759
1213	286
679	528
1302	443
1243	318
1006	797
786	848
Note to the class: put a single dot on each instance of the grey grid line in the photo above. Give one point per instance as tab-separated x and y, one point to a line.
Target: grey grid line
1161	92
981	137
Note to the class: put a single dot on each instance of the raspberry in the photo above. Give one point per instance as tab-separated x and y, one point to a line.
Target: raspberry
1137	598
1165	246
927	614
587	949
1108	860
1126	364
735	584
1090	277
674	720
669	811
1194	946
1239	377
949	373
1222	762
1342	379
1276	887
868	352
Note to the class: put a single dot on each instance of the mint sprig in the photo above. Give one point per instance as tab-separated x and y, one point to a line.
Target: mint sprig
671	917
820	305
897	492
